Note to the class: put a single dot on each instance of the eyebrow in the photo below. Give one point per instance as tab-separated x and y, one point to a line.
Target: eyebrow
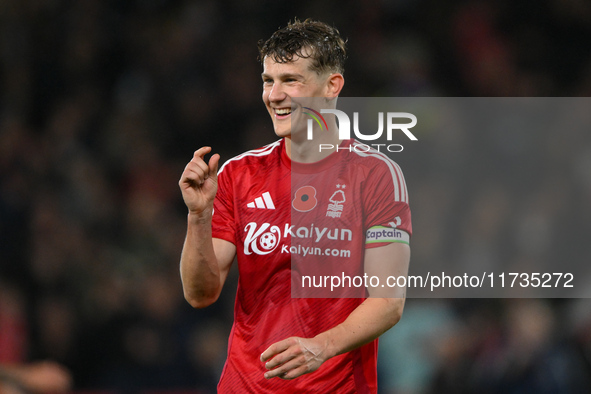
283	76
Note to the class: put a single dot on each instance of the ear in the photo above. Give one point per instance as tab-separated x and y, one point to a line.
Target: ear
334	85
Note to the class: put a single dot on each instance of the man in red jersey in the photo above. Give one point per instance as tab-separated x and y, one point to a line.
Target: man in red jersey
279	343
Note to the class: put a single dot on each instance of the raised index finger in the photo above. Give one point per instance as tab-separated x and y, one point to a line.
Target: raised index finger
198	159
199	153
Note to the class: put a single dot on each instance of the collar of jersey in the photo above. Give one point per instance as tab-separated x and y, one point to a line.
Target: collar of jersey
312	168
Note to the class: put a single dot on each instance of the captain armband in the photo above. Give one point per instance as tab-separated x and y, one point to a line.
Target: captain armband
381	234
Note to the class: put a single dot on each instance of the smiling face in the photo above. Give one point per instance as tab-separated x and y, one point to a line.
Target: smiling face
282	81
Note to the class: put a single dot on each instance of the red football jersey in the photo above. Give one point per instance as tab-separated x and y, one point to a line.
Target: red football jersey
279	212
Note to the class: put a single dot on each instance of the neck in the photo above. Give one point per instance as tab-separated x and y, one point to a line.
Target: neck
302	150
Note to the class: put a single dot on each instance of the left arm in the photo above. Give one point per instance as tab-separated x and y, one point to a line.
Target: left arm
294	356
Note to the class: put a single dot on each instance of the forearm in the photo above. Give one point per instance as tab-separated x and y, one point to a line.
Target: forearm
367	322
200	272
378	313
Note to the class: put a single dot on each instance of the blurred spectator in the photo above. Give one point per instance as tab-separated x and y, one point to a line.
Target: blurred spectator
411	354
39	377
16	375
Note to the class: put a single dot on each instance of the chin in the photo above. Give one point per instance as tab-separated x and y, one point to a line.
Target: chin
283	132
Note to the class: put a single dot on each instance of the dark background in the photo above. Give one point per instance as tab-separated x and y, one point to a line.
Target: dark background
102	103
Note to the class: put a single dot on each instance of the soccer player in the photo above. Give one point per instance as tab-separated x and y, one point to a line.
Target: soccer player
349	199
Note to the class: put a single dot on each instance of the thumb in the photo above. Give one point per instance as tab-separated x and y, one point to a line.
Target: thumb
213	164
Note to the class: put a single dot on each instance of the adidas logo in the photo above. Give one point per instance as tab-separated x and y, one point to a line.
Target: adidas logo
263	202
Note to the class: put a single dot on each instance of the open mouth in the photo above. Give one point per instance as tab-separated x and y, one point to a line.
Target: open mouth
282	112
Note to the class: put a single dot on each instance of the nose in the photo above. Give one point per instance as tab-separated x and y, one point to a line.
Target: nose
276	94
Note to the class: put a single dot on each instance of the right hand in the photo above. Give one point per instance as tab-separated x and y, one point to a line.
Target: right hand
199	181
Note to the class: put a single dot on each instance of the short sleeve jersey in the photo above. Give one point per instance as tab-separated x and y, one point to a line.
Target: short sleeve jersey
277	211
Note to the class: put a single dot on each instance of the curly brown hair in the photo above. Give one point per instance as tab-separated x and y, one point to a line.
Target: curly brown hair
308	39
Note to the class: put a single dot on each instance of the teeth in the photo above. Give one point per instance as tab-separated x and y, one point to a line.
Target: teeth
282	111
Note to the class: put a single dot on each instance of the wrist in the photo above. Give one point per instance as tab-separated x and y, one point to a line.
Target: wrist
329	342
203	217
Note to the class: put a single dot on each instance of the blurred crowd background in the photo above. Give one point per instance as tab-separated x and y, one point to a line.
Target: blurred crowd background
103	102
